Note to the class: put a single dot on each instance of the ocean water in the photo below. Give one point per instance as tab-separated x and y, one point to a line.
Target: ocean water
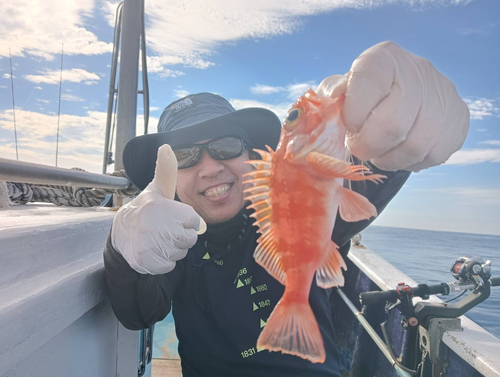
427	256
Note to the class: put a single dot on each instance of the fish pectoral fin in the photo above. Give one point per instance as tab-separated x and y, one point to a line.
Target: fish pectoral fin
331	167
355	207
329	274
292	328
267	255
328	166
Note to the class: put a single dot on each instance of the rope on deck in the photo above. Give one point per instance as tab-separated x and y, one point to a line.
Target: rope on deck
22	193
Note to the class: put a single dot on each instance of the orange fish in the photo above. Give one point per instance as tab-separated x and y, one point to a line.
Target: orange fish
295	193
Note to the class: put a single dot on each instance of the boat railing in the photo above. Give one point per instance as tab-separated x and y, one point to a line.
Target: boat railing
27	172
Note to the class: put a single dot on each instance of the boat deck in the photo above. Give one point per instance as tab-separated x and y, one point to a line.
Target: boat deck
166	368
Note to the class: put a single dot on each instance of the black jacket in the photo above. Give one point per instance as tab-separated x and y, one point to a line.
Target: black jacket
220	298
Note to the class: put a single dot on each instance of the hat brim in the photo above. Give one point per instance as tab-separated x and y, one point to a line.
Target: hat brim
139	155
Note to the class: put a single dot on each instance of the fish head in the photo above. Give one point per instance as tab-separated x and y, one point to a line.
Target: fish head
313	124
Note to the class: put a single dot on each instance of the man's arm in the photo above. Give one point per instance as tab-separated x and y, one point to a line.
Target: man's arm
378	194
138	300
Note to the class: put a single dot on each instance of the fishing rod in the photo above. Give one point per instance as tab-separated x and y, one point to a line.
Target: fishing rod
426	321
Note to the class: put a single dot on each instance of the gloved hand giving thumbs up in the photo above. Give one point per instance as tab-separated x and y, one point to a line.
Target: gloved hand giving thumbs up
153	231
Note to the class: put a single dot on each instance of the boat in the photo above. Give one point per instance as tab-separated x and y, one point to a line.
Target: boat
55	318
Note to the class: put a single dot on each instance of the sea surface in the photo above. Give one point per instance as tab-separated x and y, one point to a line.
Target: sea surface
427	256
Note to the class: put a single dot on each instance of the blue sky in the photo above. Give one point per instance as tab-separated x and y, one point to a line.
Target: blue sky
256	53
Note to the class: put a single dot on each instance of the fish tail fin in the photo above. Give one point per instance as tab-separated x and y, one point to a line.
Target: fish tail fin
293	329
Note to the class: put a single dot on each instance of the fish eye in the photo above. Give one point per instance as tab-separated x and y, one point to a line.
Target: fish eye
292	118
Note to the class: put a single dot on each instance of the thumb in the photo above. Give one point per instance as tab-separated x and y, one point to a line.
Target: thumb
166	177
166	172
332	86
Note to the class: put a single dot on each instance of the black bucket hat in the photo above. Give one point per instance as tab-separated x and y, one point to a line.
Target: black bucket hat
194	118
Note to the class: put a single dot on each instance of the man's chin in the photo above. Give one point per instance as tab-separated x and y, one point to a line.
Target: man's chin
222	215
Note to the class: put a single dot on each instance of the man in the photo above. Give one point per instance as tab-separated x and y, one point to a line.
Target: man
402	115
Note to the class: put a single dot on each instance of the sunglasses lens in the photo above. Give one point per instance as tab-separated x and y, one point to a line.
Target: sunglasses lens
220	149
187	157
226	148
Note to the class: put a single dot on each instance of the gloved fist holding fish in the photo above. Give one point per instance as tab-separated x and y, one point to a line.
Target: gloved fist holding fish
394	109
400	112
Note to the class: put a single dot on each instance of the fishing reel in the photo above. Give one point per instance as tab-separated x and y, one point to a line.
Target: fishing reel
471	270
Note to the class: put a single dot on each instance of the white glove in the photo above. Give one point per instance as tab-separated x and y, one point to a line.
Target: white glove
400	112
153	231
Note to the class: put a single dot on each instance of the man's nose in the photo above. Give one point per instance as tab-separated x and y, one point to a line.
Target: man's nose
209	167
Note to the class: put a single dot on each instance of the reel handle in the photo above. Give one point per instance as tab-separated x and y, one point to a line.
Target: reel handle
495	282
422	290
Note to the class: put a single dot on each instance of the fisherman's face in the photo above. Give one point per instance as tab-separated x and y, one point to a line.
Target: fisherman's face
214	188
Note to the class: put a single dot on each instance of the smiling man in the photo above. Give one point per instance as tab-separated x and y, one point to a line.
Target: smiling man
402	115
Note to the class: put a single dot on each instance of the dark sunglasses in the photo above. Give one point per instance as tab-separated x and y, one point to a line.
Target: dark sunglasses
221	148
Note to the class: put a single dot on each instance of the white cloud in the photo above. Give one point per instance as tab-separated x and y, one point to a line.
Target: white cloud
296	90
3	87
43	100
292	91
38	87
39	28
491	142
109	9
164	73
482	107
158	65
72	75
81	138
481	129
81	142
280	109
474	156
266	89
71	98
181	93
470	195
6	75
486	196
477	31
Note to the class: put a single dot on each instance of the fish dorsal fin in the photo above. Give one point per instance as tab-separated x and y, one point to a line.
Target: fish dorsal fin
266	254
329	274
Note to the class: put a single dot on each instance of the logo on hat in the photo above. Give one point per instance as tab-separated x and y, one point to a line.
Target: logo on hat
178	106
